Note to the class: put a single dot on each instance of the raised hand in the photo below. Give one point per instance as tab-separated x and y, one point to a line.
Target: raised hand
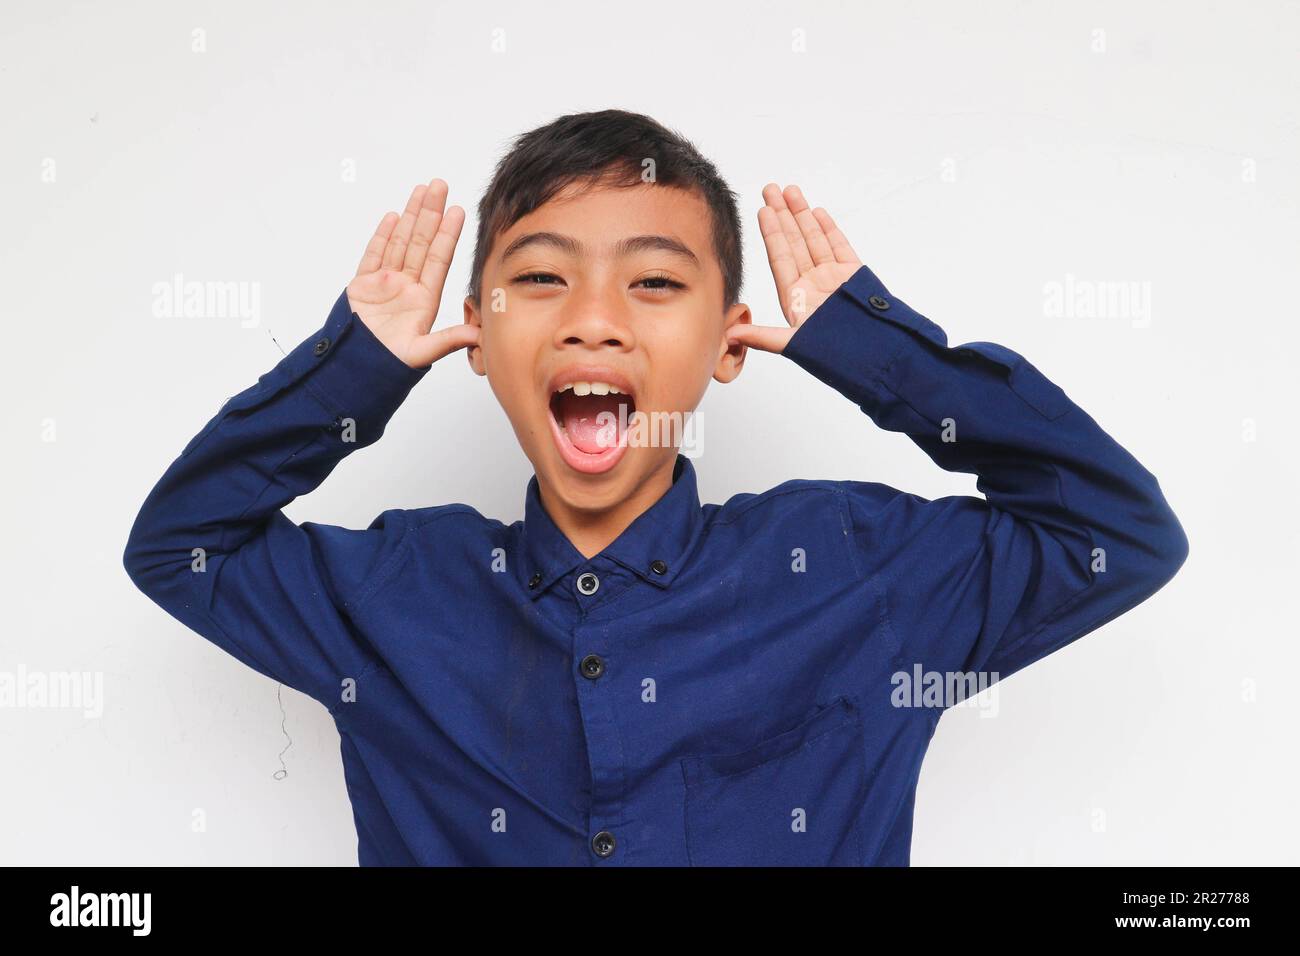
810	258
398	286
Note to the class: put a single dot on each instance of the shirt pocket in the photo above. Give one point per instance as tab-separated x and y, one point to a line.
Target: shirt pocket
1041	393
791	800
266	388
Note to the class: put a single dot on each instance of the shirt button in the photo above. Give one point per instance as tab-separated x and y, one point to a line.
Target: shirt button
603	844
321	347
535	580
877	302
588	582
658	567
592	666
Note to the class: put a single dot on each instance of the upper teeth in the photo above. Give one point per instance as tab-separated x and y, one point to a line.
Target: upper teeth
591	388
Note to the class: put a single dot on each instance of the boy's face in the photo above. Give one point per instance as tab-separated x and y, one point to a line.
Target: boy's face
584	304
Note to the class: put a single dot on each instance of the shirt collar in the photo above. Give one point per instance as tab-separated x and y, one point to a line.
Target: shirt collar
653	546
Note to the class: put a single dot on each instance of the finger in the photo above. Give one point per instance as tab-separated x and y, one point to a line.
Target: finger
374	254
438	261
776	199
765	338
435	345
426	225
839	242
819	246
395	254
779	256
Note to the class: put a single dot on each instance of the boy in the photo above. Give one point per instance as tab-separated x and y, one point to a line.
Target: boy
626	677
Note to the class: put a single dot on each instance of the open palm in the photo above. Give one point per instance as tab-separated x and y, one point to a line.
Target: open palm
399	283
810	258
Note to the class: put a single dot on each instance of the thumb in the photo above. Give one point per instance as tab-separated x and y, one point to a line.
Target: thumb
431	346
765	338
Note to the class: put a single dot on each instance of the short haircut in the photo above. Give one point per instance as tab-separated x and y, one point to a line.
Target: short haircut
608	147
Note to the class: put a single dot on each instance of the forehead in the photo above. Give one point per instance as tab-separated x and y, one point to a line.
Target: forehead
599	216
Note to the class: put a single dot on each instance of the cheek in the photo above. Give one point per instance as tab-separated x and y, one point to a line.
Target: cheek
683	365
510	362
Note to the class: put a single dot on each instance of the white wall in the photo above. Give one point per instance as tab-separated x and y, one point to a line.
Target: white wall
973	153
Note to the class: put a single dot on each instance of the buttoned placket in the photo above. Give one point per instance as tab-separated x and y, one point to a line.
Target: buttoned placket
581	596
595	665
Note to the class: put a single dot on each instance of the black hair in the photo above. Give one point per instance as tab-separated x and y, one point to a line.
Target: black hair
608	147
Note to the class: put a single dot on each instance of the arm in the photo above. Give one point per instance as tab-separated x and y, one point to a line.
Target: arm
1072	531
272	593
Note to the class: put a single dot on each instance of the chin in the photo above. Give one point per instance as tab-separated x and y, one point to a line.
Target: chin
599	491
594	490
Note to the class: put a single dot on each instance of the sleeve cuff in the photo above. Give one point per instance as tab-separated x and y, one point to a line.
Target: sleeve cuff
349	371
851	340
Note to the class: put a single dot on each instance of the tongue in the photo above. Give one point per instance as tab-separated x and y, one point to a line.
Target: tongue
591	421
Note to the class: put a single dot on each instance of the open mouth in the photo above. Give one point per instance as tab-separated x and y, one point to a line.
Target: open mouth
589	419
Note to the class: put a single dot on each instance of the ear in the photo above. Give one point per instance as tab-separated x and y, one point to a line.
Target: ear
475	352
731	358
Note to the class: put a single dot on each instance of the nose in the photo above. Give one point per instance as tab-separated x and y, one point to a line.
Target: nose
595	319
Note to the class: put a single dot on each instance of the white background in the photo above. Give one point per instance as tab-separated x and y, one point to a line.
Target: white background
974	153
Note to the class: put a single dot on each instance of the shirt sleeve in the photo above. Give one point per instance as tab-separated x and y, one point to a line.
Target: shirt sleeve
212	547
1071	532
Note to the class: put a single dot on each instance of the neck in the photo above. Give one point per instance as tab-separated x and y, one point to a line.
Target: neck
591	532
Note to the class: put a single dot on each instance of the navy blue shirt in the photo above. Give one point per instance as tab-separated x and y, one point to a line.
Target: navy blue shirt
723	684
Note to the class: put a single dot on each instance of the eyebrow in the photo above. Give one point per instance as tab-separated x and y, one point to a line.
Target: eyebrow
624	247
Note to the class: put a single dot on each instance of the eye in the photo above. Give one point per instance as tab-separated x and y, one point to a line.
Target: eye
529	278
668	284
655	283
